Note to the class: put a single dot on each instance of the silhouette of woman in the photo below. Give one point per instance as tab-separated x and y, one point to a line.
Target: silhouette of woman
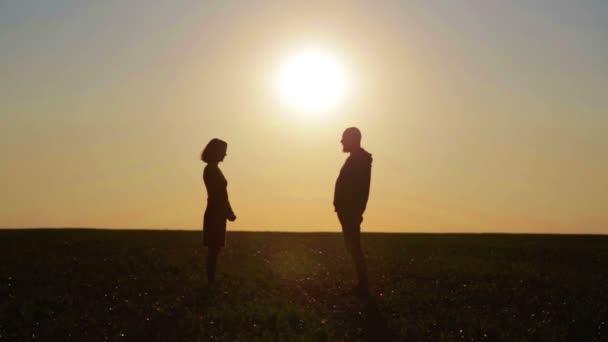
218	207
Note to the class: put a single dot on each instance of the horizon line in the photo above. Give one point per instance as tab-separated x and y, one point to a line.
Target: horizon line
299	232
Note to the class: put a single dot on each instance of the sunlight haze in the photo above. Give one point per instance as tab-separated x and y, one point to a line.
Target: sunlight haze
312	82
481	116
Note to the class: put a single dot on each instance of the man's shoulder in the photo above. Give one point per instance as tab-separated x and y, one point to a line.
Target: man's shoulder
361	156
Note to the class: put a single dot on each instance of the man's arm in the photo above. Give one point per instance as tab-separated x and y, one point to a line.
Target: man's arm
365	180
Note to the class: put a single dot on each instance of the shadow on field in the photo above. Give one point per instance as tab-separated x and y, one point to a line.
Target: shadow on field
375	327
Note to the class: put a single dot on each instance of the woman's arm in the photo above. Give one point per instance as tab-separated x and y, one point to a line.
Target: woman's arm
229	212
230	216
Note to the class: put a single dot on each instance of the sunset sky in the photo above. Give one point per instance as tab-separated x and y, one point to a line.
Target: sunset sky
481	116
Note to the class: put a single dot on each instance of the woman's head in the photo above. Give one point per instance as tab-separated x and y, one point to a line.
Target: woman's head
214	152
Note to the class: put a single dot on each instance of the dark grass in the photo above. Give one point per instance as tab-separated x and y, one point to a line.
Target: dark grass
98	285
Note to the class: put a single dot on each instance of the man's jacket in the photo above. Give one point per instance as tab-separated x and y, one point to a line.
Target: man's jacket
352	186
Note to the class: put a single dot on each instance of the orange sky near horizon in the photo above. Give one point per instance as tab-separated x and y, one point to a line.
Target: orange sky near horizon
477	122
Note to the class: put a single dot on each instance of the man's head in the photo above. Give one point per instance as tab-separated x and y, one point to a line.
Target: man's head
351	139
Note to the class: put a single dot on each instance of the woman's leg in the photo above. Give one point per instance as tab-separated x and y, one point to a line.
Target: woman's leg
212	262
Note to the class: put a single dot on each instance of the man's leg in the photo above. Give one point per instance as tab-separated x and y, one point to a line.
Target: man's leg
354	240
351	229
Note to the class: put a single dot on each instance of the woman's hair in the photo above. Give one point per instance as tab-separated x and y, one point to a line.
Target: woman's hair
214	151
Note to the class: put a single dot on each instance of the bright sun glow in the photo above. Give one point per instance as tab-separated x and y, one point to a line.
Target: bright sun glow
312	82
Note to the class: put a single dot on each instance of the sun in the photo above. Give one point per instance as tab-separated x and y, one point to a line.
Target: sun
312	82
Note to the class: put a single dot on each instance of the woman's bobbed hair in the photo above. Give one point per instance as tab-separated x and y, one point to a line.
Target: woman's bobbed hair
214	151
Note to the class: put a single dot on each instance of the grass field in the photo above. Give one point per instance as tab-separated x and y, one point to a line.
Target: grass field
96	285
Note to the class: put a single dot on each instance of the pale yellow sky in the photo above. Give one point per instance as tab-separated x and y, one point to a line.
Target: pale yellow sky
477	122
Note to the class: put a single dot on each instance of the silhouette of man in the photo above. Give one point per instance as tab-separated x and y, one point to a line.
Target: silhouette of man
350	199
